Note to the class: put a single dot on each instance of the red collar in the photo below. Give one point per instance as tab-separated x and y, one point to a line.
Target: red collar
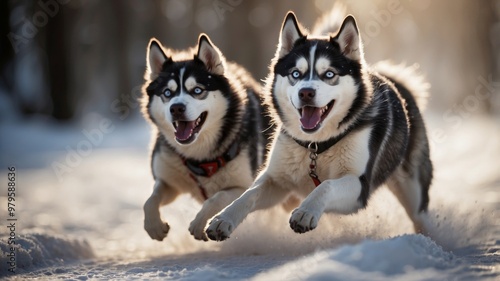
210	167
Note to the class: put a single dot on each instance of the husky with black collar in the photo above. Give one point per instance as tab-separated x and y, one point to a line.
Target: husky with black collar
208	119
344	129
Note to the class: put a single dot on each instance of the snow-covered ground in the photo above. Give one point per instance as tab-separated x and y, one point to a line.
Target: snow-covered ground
80	190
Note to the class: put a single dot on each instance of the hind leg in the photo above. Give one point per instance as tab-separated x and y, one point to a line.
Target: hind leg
412	194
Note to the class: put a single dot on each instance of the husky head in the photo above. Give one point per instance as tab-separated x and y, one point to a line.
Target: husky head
317	87
188	96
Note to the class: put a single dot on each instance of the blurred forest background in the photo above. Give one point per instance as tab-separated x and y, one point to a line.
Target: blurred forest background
64	59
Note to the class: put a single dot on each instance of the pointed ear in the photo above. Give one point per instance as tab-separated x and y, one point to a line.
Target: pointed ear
210	55
155	58
349	40
290	33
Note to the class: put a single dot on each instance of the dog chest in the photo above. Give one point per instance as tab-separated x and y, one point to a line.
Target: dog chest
171	170
291	162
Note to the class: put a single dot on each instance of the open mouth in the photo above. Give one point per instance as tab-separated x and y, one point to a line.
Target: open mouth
311	117
186	131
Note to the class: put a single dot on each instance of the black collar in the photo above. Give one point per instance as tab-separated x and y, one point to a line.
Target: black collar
210	167
322	146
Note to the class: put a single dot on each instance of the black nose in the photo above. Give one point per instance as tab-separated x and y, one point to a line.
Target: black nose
306	94
177	110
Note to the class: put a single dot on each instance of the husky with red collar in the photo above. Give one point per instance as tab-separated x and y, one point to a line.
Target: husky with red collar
344	129
208	117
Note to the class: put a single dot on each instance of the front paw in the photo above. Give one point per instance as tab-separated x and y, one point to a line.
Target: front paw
197	229
219	229
157	229
303	220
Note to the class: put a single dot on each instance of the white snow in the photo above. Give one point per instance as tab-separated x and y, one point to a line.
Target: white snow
369	260
87	224
41	249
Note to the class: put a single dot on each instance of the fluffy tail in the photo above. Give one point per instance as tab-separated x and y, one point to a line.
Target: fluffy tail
330	22
409	77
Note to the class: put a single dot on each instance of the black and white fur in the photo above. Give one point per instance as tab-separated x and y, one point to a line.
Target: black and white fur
367	127
200	106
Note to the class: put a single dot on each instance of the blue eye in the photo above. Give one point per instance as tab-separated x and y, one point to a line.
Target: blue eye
296	74
167	93
329	74
197	90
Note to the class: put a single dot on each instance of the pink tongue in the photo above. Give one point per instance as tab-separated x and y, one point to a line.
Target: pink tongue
310	117
184	130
